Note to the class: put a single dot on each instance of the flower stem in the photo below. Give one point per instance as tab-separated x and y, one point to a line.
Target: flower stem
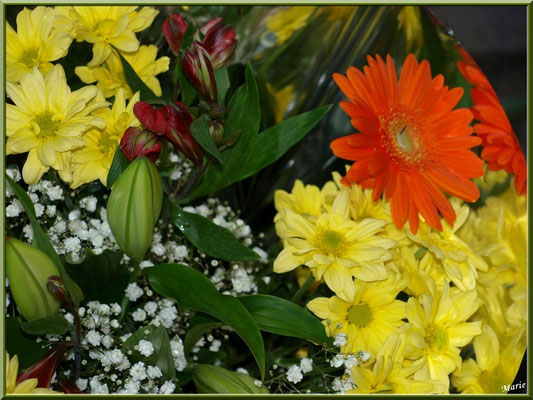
302	289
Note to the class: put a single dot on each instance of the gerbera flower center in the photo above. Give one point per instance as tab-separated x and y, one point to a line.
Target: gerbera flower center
29	57
436	337
331	242
402	135
47	126
360	315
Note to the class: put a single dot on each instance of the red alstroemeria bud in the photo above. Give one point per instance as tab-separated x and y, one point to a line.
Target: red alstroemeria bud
197	66
174	29
44	369
179	133
216	129
56	287
138	142
151	118
219	41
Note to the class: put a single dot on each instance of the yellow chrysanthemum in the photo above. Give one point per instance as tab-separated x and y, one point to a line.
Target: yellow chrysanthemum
334	247
389	374
110	76
286	20
107	26
367	320
460	263
438	330
92	161
29	386
306	200
35	43
496	364
47	119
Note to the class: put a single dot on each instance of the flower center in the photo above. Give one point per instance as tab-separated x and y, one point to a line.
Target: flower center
47	127
108	143
402	135
331	242
360	315
29	57
436	337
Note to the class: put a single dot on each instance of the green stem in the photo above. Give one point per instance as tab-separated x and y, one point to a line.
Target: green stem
125	301
302	289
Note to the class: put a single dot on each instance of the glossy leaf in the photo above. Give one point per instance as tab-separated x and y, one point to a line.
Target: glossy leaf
212	239
162	355
135	83
41	241
21	344
200	131
119	164
194	291
283	317
199	325
223	83
213	379
54	325
101	277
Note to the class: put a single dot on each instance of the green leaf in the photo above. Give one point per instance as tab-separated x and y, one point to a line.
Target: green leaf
162	355
212	379
101	277
276	315
54	325
223	83
41	241
200	131
212	239
135	83
193	290
199	325
253	152
119	164
20	344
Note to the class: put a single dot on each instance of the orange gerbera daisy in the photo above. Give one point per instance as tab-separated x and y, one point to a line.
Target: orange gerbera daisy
412	145
501	148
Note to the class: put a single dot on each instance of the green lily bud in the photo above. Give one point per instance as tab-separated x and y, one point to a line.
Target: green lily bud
134	206
211	379
28	270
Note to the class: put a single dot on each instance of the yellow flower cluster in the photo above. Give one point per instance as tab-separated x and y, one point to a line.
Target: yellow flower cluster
74	132
464	286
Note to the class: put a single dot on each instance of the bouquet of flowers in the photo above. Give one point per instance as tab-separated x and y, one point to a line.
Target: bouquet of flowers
151	247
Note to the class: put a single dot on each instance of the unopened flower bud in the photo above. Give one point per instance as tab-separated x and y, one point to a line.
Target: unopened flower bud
216	129
174	29
138	142
219	41
56	287
134	206
28	270
197	66
44	369
212	379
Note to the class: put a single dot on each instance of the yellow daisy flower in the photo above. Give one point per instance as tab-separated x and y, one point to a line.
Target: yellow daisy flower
438	330
47	119
35	43
334	247
307	200
367	320
389	374
29	386
460	263
107	25
92	161
110	76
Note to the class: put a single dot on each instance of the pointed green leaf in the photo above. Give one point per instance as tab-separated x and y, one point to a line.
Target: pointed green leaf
119	164
212	239
41	241
135	83
54	325
223	83
194	291
200	131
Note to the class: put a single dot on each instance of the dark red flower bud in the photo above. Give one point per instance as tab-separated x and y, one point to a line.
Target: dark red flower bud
216	129
57	289
138	142
174	29
219	41
44	369
151	118
67	387
197	66
179	133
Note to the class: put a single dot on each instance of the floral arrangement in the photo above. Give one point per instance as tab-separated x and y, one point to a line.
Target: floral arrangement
138	139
